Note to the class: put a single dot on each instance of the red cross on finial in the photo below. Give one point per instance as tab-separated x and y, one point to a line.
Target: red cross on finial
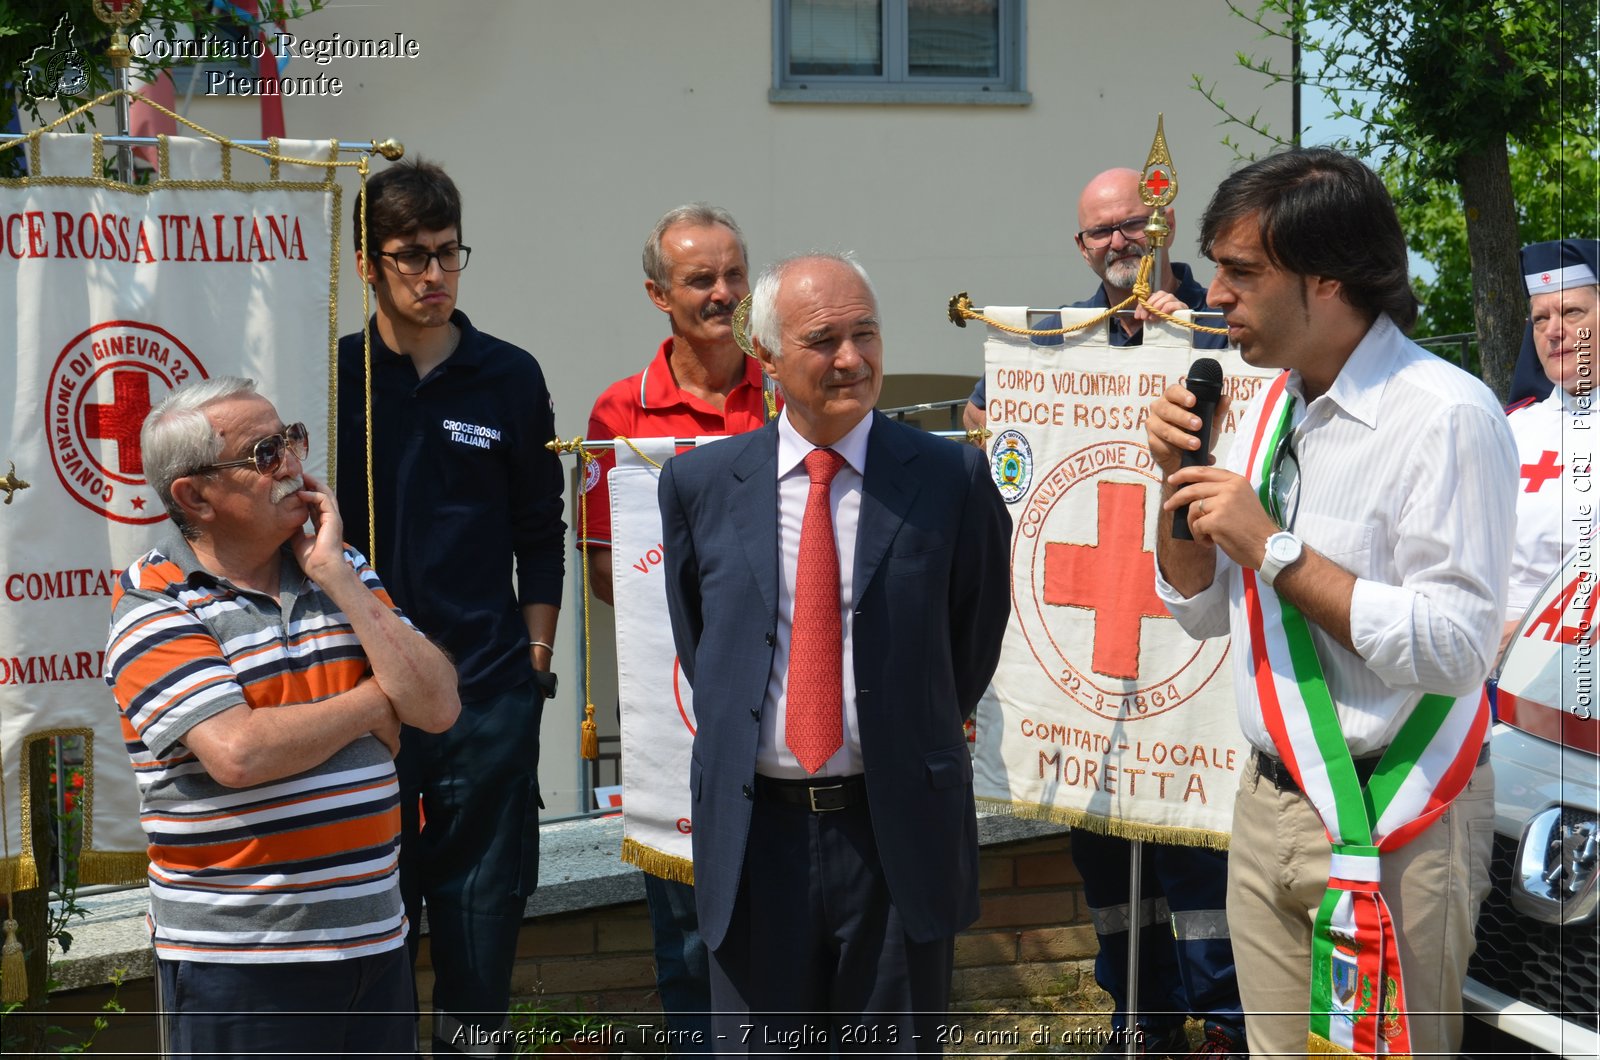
1115	579
1542	472
121	420
1157	182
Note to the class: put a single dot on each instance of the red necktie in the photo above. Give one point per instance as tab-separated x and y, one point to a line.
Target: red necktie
814	726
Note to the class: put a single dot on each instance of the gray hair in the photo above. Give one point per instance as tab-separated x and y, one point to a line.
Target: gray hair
177	437
657	267
765	327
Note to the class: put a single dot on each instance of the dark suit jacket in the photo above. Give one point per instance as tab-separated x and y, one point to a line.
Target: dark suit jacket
933	596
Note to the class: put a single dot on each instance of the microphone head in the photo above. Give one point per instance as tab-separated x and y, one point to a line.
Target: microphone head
1205	379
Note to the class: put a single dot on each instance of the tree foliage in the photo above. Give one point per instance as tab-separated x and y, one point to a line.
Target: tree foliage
31	35
1483	117
1557	190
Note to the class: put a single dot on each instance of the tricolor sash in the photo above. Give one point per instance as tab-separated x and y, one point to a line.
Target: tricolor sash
1357	999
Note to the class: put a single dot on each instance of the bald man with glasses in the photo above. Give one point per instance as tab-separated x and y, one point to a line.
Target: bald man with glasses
1111	239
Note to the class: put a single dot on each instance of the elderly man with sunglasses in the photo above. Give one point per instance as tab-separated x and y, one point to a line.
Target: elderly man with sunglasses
263	674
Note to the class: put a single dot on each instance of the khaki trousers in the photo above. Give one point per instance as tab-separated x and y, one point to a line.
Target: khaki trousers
1277	873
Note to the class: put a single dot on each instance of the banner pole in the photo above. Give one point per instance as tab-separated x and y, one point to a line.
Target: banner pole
1136	916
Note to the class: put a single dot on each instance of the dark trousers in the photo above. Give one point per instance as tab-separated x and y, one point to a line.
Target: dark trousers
1189	972
365	1005
816	959
683	968
475	860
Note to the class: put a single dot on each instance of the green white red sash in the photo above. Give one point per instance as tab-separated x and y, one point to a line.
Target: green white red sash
1357	1000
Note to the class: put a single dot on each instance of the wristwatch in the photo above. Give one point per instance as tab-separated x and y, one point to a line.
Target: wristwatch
1283	551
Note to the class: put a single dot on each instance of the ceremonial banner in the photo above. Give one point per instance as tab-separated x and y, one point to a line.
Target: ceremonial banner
110	297
657	708
1103	712
1547	682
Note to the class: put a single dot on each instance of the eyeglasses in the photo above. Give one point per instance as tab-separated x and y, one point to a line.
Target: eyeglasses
266	456
1100	236
1283	484
415	262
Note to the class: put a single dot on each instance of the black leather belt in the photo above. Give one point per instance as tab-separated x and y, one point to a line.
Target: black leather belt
823	795
1274	772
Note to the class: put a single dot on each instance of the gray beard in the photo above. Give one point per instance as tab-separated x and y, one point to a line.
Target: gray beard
1123	272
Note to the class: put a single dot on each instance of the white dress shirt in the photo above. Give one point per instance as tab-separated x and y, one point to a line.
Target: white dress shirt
1556	494
1407	480
773	757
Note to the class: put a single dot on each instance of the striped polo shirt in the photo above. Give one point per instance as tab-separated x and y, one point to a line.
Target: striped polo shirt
299	869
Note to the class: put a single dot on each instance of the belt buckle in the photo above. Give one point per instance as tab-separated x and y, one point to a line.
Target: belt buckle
811	797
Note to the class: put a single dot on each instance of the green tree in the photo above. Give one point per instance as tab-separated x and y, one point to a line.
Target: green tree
1447	95
36	44
1556	197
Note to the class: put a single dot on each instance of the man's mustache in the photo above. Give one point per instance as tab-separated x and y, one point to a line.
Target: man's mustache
283	487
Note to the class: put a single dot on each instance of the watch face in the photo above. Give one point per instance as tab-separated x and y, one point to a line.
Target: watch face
1284	548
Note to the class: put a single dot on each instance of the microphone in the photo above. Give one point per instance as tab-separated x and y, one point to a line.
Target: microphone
1205	383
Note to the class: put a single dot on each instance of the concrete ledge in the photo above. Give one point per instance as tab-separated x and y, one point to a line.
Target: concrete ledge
580	868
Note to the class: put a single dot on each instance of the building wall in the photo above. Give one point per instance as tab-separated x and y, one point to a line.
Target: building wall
571	126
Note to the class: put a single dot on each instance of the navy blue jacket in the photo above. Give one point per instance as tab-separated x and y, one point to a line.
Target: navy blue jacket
932	599
464	486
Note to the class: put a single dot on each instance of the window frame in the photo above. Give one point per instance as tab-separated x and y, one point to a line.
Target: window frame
895	84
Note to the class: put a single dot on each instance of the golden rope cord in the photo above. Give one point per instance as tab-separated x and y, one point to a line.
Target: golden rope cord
961	310
32	137
589	732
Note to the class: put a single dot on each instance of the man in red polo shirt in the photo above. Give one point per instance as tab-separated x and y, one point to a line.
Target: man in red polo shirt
699	383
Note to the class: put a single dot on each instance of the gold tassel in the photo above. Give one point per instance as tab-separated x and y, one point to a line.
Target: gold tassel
13	969
590	745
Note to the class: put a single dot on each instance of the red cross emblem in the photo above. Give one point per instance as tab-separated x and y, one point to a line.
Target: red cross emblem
1115	579
1157	182
121	420
1544	277
1084	586
99	392
1542	472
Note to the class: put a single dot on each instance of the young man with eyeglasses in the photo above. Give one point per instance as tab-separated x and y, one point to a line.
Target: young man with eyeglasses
469	538
1363	583
263	674
1111	239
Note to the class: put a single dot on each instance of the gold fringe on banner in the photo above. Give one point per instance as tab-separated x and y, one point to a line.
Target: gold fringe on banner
1150	833
113	866
653	861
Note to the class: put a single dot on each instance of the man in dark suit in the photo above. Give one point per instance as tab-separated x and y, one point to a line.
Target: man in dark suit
838	590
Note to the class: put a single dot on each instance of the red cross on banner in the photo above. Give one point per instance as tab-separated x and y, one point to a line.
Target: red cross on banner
121	420
1115	578
1542	472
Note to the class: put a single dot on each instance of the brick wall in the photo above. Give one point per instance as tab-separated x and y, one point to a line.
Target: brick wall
1032	950
1032	941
